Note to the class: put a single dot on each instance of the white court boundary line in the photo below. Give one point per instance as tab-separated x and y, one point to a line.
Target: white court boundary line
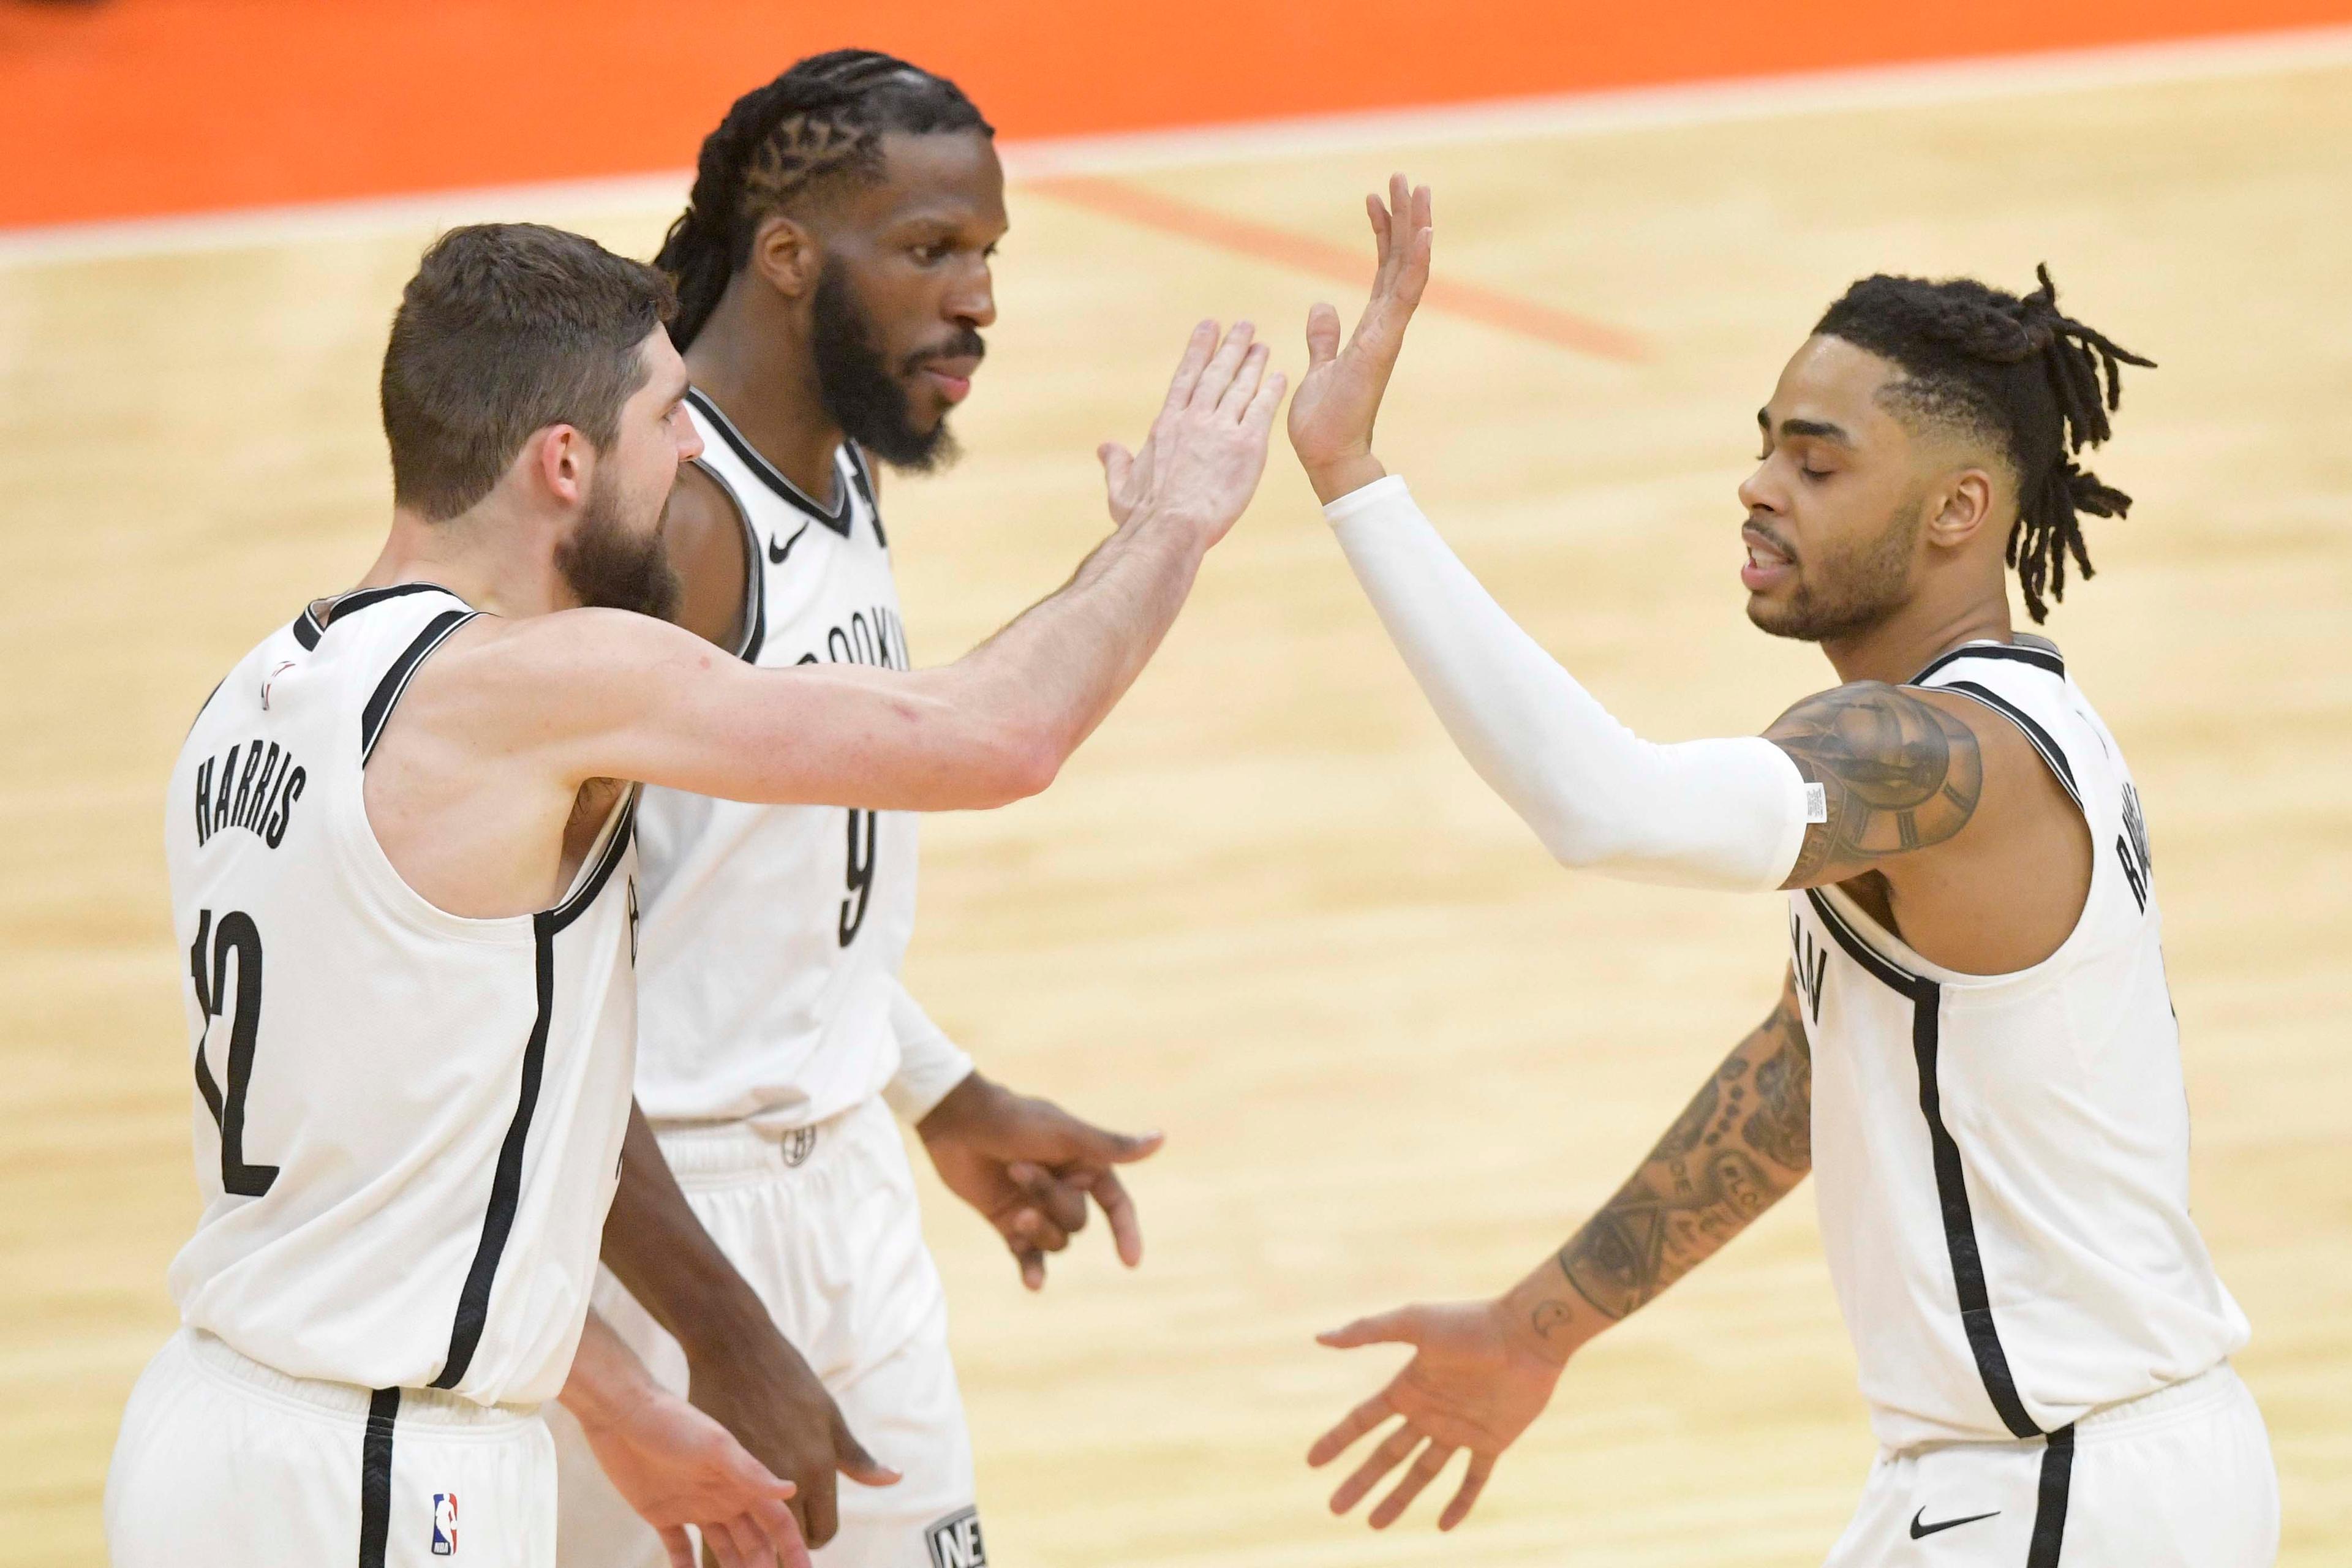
1571	114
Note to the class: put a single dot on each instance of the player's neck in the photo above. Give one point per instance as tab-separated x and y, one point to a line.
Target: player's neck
1907	641
494	565
763	378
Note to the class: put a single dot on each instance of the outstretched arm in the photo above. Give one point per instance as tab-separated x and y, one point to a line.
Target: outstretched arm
1849	781
1482	1371
602	694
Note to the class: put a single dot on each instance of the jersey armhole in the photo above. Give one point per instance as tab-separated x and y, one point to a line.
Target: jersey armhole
753	615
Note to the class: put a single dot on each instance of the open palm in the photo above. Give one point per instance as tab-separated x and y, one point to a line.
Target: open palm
1331	416
1470	1385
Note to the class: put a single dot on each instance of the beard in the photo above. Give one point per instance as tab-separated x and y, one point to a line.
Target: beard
1852	593
860	393
610	568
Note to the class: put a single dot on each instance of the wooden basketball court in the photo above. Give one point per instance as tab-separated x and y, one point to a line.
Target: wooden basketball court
1398	1054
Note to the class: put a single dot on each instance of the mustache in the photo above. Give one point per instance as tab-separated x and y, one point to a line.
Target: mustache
1774	538
965	343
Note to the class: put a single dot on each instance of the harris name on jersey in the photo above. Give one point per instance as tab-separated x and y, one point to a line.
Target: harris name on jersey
253	785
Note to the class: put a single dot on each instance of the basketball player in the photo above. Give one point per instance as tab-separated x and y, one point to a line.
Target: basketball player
833	276
405	875
1973	1045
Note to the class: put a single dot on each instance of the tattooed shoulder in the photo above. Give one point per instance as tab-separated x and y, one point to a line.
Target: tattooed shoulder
1897	773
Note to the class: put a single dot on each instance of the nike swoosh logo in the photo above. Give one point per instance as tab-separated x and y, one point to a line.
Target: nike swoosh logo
1919	1530
776	553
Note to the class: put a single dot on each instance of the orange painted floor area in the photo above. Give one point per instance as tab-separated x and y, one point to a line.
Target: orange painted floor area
117	108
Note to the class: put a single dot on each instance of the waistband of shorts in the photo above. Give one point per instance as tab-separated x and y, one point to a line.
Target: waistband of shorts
721	1150
2214	1385
428	1406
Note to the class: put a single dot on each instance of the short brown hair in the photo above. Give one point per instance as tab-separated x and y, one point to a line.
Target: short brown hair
506	329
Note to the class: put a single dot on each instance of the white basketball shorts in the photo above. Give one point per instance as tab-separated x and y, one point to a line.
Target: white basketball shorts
2178	1479
223	1463
823	1223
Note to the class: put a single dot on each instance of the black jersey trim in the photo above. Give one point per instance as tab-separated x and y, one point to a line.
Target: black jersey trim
754	608
864	478
766	472
396	679
1951	1180
375	1477
571	909
506	1183
2040	654
2049	1501
2042	739
308	628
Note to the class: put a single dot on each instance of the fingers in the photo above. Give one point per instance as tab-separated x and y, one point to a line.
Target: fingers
1126	1226
1392	1452
1426	1468
1395	1327
1062	1201
850	1457
1031	1229
1352	1425
718	1540
680	1548
819	1507
1246	381
775	1521
1219	373
1031	1264
1322	335
1197	350
1380	216
1481	1466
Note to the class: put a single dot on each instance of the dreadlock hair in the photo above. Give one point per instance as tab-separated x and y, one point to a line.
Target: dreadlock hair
818	125
2012	371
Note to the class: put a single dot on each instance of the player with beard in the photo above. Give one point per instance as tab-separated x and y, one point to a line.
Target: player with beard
833	279
403	867
1973	1050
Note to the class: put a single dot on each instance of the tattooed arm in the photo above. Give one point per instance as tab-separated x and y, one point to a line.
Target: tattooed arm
1743	1142
1482	1371
1900	773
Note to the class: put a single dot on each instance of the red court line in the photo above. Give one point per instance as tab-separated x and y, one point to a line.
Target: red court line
1148	209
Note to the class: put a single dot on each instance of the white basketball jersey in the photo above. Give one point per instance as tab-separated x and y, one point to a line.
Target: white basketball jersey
408	1124
2002	1160
773	934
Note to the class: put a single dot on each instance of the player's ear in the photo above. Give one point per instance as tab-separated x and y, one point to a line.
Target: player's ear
557	455
1966	506
785	253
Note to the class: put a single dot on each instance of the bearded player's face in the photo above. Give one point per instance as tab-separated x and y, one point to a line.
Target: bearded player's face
905	290
1837	501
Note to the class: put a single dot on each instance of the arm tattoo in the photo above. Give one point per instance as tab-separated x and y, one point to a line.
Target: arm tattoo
1744	1139
1900	774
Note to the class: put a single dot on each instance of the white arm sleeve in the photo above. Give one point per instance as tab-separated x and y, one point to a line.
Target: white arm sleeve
1726	813
930	1064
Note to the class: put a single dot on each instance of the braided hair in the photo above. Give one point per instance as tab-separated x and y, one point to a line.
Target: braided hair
2012	371
818	125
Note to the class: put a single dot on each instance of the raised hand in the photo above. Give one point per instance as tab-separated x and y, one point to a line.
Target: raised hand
1029	1167
1474	1382
1206	450
1339	396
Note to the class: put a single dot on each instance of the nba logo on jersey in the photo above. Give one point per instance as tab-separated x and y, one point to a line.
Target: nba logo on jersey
445	1524
955	1542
